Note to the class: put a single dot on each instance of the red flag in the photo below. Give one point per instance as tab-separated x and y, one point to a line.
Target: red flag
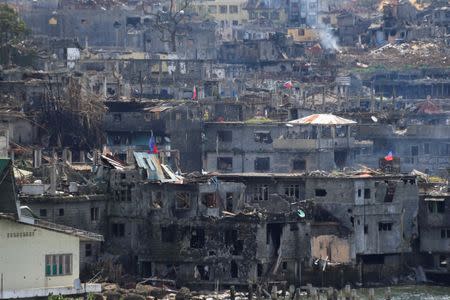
155	149
288	84
194	93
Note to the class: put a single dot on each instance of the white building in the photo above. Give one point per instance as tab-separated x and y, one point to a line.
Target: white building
37	258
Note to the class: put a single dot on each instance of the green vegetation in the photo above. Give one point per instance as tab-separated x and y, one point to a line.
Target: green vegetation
12	31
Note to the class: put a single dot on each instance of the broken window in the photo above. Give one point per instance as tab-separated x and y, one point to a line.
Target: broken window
366	193
384	226
225	135
299	165
263	137
436	206
223	9
292	190
225	164
320	192
197	238
118	229
168	234
233	9
156	200
262	164
261	192
95	212
209	200
414	150
182	200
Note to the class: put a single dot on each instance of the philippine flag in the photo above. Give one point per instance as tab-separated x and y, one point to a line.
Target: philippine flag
389	157
288	84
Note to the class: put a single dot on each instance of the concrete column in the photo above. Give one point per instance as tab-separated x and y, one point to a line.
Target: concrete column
53	174
37	158
82	157
130	156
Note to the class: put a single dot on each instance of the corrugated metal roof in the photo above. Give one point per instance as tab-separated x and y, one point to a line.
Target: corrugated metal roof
322	119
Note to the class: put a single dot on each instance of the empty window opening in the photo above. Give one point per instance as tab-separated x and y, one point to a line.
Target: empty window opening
320	192
359	193
117	117
156	200
389	197
225	164
88	250
209	200
445	233
229	202
261	192
414	150
263	137
234	269
225	135
61	212
202	272
340	158
284	266
43	212
262	164
118	229
169	234
436	206
231	240
384	226
146	269
273	236
197	238
366	229
299	165
182	200
259	270
366	193
95	213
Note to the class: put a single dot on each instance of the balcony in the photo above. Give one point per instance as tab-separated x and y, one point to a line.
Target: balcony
313	144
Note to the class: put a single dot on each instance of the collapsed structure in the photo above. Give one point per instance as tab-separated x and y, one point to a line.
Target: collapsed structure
236	141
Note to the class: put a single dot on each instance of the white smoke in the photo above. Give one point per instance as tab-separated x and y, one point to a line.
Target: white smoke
327	38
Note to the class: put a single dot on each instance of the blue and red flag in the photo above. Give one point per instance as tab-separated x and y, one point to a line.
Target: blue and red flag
152	145
389	157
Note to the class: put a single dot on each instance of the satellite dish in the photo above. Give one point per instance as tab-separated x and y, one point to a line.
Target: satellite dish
375	119
301	213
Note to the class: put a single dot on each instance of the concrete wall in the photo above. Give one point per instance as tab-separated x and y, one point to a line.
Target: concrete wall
22	259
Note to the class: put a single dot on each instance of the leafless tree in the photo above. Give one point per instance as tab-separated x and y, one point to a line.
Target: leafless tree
168	21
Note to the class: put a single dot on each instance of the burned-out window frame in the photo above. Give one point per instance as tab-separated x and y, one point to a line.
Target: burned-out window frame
209	200
221	161
260	192
185	197
292	190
